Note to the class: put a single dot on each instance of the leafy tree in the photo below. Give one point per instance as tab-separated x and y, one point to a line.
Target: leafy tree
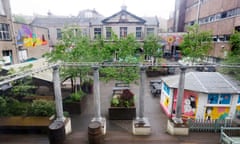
74	47
196	44
233	56
22	87
123	50
152	47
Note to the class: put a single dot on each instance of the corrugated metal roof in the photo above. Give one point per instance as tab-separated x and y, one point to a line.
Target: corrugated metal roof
206	82
36	64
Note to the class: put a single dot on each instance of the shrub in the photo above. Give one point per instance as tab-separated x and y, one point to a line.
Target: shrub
125	99
42	108
3	106
75	97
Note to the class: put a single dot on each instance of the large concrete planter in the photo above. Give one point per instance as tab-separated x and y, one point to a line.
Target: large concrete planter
122	113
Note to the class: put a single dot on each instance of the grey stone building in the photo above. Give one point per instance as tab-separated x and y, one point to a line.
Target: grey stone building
94	24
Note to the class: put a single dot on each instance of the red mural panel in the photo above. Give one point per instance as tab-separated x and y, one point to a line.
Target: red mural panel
189	103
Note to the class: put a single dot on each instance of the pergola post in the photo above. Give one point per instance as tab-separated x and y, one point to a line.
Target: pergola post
58	94
97	101
141	125
176	126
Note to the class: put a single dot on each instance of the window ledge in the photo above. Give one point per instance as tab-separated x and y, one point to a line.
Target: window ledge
218	105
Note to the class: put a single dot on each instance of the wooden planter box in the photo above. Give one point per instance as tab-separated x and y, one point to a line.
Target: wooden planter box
155	73
75	107
122	113
25	124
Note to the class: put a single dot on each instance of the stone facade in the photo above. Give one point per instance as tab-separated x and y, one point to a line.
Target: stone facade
91	23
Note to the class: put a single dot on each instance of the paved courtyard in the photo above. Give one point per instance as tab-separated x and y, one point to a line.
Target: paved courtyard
118	131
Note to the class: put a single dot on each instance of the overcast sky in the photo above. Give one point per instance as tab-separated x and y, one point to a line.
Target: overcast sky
161	8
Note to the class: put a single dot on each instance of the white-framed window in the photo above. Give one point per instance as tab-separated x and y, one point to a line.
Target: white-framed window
123	32
108	32
4	32
59	33
138	33
150	31
219	98
97	33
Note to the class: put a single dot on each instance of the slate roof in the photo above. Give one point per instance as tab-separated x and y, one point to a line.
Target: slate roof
151	20
206	82
54	21
62	21
124	12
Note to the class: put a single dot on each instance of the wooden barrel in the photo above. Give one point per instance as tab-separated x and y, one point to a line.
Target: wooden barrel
95	135
56	134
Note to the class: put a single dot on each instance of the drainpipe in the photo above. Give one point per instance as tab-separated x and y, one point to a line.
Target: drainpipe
198	12
13	33
58	94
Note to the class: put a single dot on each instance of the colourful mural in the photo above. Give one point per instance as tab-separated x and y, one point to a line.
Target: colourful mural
172	38
238	108
238	112
166	99
213	113
189	104
27	38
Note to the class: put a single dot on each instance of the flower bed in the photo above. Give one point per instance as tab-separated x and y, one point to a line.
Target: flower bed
122	105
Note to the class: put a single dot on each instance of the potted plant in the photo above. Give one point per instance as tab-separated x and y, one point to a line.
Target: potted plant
122	105
75	102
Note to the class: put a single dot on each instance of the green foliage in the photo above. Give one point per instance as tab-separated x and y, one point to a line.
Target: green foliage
17	108
233	56
3	106
125	99
42	108
115	102
24	86
74	47
152	46
196	44
75	97
13	107
123	74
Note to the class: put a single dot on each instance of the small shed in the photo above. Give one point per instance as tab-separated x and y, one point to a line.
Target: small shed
207	95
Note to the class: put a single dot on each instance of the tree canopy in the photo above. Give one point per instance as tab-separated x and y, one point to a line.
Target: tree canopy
233	57
196	44
75	47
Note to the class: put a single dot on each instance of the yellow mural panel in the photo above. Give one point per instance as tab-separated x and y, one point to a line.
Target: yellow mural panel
166	101
213	113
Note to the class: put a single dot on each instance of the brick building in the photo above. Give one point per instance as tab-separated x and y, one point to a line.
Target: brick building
219	16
